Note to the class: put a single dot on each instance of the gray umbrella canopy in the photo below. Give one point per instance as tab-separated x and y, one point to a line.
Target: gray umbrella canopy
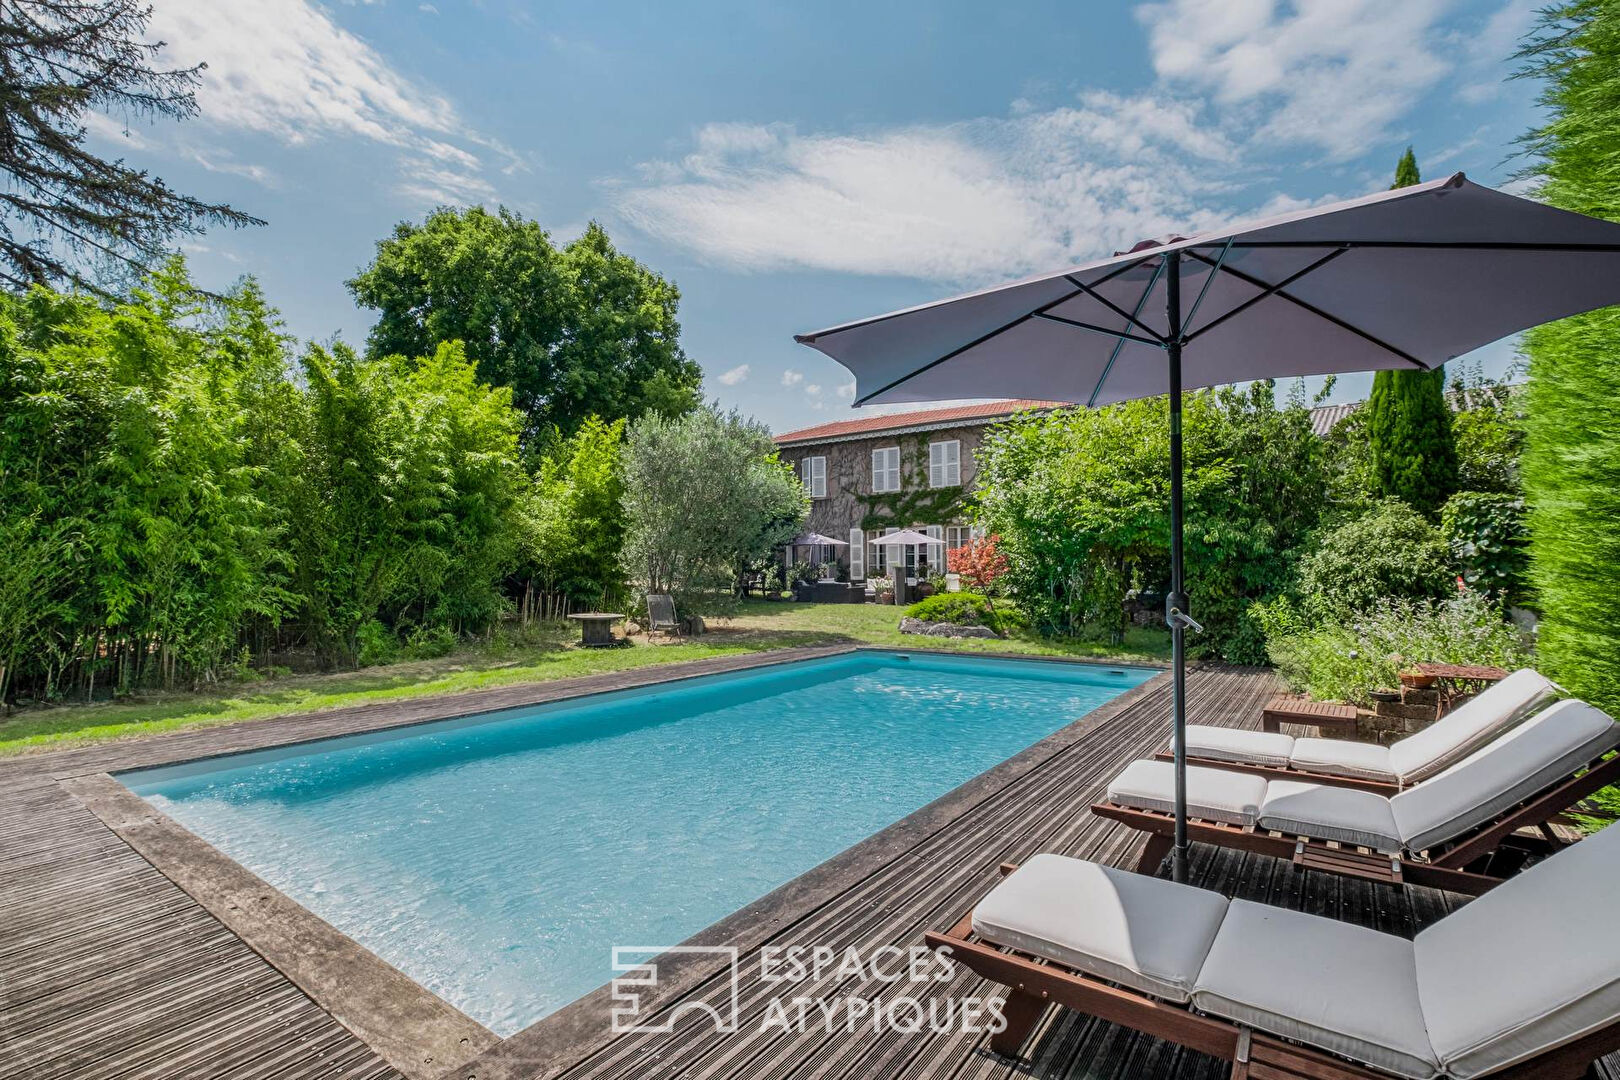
1408	278
1405	278
815	538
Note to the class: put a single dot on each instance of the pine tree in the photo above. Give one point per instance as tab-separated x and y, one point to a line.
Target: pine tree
61	206
1409	421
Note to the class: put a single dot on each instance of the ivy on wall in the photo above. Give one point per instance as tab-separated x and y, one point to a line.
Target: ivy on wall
915	503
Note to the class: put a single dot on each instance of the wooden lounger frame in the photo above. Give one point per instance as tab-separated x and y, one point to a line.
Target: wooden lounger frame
1033	984
1281	772
1446	868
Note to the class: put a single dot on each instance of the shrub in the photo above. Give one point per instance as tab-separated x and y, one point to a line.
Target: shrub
962	608
979	562
1487	537
1388	552
428	642
1346	659
376	644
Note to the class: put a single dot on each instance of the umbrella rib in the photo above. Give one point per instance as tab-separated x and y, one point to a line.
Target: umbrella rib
1115	308
997	332
1213	274
1119	346
1318	312
1270	290
1432	245
1120	334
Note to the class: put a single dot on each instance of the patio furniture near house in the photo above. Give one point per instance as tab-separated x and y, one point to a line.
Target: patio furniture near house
1326	717
1375	766
1508	986
596	628
1432	834
661	617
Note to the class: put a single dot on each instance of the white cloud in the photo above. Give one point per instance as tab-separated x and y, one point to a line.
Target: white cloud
1331	73
845	390
792	378
733	376
286	69
813	390
221	162
105	127
1241	86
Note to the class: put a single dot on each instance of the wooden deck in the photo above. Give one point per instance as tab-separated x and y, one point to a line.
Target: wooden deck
109	969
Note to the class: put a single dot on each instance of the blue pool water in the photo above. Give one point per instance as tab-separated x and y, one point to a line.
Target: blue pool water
496	859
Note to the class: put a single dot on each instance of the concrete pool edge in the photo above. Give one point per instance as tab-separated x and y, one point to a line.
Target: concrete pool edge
406	1024
409	1026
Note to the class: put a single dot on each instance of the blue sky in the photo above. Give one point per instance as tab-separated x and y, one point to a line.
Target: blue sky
791	167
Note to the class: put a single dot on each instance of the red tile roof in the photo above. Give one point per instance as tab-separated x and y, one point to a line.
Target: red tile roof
871	425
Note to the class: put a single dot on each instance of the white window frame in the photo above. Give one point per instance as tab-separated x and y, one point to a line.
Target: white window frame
957	536
945	463
857	554
877	553
813	471
883	472
936	552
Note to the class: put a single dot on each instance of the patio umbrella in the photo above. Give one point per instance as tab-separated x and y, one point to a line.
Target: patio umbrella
1408	278
811	538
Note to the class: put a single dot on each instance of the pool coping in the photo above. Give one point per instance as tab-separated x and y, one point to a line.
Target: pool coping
409	1026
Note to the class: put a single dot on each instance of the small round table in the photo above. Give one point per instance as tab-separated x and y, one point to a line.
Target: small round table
596	627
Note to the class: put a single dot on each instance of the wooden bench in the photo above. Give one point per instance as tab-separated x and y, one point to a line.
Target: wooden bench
1327	718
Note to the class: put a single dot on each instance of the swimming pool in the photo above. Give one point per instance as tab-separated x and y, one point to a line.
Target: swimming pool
497	858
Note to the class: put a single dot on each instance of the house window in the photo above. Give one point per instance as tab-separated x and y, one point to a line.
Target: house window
813	471
877	553
886	469
956	536
936	552
945	463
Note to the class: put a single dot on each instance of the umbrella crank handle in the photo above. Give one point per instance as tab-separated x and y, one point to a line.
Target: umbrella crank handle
1179	619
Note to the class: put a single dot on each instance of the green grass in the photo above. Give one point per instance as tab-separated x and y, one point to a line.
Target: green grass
550	654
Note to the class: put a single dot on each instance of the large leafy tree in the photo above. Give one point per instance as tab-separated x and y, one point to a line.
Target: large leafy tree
575	517
1080	501
1412	455
1571	466
582	330
62	208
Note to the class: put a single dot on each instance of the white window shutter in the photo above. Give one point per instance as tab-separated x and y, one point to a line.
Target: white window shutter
936	464
857	555
953	463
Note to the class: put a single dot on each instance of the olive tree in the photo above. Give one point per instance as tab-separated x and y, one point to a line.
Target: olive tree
703	494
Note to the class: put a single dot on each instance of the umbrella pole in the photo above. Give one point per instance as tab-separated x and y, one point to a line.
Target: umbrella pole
1176	602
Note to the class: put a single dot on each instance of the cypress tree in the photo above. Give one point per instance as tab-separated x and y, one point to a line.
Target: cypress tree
1571	464
1409	421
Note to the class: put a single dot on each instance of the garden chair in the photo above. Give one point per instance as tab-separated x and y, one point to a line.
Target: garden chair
661	616
1426	835
1371	766
1509	985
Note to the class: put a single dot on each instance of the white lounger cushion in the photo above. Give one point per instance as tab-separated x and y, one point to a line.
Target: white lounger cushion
1344	988
1212	794
1239	744
1330	813
1340	757
1139	931
1532	756
1470	726
1521	970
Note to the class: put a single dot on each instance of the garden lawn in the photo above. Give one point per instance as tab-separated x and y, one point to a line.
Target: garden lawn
549	654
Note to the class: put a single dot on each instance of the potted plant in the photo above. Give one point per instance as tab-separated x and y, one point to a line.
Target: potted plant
883	590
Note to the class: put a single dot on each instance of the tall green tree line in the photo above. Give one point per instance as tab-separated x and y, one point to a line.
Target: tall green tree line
1571	467
171	494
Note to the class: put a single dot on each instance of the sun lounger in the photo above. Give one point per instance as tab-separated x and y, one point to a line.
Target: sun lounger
1427	835
1509	986
1370	766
